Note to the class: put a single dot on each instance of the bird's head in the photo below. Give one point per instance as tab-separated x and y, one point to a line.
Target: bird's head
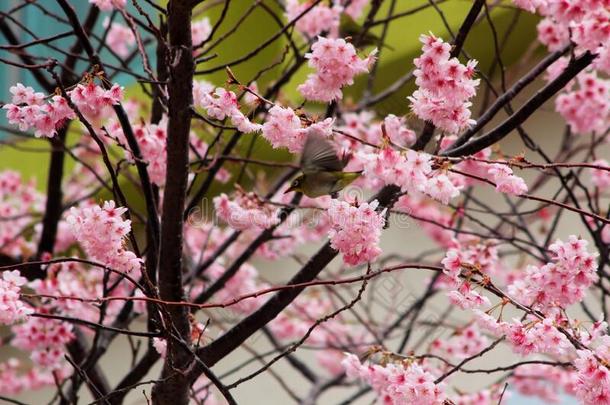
296	185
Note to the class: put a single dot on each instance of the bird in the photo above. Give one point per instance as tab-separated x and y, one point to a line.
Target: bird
322	170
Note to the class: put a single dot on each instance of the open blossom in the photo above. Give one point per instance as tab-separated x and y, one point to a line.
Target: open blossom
18	200
445	86
336	63
101	231
12	309
412	171
221	103
587	108
44	339
468	255
593	384
201	30
109	5
561	282
506	181
284	129
29	110
245	211
542	381
601	178
355	231
152	140
120	38
397	384
316	20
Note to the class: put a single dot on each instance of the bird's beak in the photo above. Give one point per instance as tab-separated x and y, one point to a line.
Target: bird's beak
289	189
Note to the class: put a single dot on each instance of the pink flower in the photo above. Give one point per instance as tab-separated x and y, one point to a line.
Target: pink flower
12	309
109	5
445	86
120	38
562	282
320	18
245	211
201	30
586	109
220	103
397	384
355	231
283	128
601	178
506	181
102	231
336	63
553	35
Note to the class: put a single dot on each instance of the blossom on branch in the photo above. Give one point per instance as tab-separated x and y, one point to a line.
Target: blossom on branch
445	86
336	63
355	231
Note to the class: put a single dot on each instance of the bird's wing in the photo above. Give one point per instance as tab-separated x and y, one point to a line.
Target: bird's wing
319	155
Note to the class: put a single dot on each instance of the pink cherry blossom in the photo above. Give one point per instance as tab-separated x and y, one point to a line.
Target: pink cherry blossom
336	63
109	5
221	103
12	309
444	87
587	108
120	38
506	181
397	384
319	19
601	178
355	231
28	109
561	282
101	231
283	128
245	211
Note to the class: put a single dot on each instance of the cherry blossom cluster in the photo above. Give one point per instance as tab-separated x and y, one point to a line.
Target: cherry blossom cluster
601	178
119	38
319	19
245	211
323	18
412	171
220	103
12	309
444	86
464	258
101	231
109	5
44	339
463	343
505	180
336	63
397	383
152	140
283	128
562	282
584	22
587	107
355	230
28	109
201	30
93	101
18	201
362	126
16	378
543	381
